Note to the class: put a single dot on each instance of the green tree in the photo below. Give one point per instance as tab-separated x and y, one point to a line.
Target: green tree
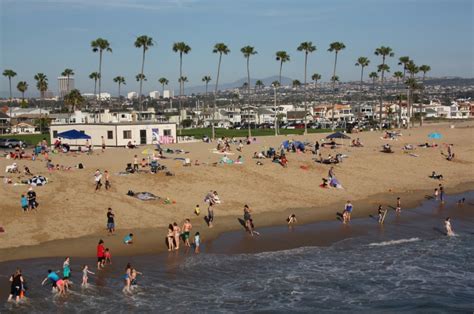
316	77
100	45
335	79
119	80
74	100
296	83
412	85
248	51
335	47
282	57
425	69
182	48
67	73
362	62
259	84
182	80
206	79
384	52
221	49
22	87
373	76
95	76
140	77
307	47
144	42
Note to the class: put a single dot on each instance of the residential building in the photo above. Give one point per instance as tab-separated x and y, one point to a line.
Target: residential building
119	134
168	93
132	95
155	94
4	122
23	128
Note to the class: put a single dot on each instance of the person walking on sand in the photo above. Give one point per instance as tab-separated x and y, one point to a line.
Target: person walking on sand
210	215
16	286
98	179
449	228
177	234
103	143
135	163
110	221
248	219
100	255
186	230
107	179
85	277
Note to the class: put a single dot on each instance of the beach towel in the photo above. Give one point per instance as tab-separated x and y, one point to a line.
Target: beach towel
143	196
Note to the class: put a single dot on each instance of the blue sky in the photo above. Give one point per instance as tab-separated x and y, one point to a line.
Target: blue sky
51	35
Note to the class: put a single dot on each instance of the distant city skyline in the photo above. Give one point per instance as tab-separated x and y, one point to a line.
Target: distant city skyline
49	36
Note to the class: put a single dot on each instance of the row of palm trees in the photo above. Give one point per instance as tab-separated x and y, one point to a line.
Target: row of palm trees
145	42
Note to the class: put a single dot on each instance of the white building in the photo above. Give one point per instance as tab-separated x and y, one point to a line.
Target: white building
155	94
23	128
132	95
65	85
104	96
119	134
168	93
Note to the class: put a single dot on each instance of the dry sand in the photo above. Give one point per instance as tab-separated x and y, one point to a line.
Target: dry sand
69	207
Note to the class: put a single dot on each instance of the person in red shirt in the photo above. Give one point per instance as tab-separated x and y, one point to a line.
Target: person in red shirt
100	255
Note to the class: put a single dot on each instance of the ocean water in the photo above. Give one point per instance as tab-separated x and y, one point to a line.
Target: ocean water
410	266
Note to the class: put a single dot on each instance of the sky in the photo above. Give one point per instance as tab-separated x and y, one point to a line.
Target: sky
50	35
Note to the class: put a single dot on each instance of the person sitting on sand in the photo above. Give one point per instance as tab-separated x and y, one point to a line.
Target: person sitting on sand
27	171
291	219
259	155
449	229
325	184
284	161
239	160
130	145
436	176
387	149
143	163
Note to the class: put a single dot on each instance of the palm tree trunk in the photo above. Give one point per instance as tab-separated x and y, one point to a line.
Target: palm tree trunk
381	95
119	90
305	95
181	87
100	81
10	84
421	101
67	84
140	105
334	91
248	95
215	97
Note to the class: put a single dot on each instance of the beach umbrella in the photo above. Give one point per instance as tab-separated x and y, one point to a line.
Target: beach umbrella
38	181
435	136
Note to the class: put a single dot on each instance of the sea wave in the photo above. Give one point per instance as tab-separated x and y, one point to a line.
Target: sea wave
394	242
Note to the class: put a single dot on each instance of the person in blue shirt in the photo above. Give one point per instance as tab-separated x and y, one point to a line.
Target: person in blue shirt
128	239
24	203
58	283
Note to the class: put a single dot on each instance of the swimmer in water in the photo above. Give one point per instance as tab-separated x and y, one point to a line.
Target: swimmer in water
449	229
85	277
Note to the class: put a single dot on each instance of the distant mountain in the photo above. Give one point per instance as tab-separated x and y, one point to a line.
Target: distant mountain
236	84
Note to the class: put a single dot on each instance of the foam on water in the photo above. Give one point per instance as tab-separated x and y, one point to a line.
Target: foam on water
394	242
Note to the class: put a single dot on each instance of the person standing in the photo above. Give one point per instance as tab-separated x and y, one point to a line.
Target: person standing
170	237
103	143
248	219
110	221
177	234
31	195
16	286
441	193
135	163
186	230
197	242
348	210
98	179
399	206
107	179
24	203
100	254
449	228
316	148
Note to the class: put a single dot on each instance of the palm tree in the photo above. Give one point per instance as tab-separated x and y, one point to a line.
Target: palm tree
398	75
336	47
259	84
119	80
22	87
374	76
423	68
221	49
206	79
143	42
316	77
182	80
412	84
95	76
384	52
67	73
163	81
41	83
296	83
181	47
100	45
308	48
74	99
248	51
275	85
283	57
404	60
9	74
140	77
362	62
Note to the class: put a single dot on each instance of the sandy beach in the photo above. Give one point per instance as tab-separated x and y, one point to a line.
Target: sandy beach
72	214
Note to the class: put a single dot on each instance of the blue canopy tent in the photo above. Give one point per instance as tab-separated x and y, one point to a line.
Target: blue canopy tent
298	145
74	135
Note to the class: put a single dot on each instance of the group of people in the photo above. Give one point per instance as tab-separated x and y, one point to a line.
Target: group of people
176	234
98	176
28	201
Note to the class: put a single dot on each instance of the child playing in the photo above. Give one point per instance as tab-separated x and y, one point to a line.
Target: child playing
24	203
85	278
128	239
197	210
291	219
381	213
108	256
197	242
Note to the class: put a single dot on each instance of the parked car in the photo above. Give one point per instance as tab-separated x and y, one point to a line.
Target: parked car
11	142
299	126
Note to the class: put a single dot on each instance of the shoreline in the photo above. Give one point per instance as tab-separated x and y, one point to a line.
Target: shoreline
152	240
